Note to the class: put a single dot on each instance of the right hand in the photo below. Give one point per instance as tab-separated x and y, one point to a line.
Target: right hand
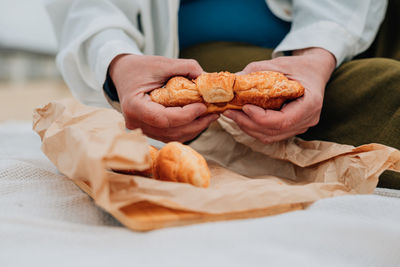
135	75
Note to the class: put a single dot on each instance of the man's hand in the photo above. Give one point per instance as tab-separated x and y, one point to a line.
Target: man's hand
134	76
312	67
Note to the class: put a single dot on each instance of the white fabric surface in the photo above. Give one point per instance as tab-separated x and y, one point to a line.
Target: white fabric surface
45	220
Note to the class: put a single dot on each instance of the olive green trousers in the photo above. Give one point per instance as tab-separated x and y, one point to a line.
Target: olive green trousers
361	104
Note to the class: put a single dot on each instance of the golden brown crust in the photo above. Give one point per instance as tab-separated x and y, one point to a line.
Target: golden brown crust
178	91
224	90
180	163
216	87
177	163
212	108
266	89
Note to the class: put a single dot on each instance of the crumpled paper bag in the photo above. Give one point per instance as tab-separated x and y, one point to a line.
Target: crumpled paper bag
248	178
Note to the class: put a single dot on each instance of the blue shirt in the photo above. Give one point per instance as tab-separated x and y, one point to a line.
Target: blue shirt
248	21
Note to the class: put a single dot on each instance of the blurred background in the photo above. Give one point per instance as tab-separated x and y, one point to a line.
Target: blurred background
28	73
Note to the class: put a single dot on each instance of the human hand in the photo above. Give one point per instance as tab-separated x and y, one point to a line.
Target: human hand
135	75
311	67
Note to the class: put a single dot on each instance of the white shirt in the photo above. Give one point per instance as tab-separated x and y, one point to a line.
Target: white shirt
92	32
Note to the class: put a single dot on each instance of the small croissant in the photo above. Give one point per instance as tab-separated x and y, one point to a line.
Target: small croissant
180	163
177	163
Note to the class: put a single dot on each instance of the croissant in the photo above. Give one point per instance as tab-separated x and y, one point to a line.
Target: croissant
178	91
177	163
180	163
224	90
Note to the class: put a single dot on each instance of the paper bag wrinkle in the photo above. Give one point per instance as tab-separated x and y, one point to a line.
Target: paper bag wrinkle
128	150
85	143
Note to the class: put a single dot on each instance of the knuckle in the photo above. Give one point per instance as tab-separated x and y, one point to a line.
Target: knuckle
192	61
201	125
281	62
194	129
315	121
172	135
156	120
318	102
303	131
178	118
263	121
131	125
127	107
273	132
175	121
253	66
285	125
193	64
266	140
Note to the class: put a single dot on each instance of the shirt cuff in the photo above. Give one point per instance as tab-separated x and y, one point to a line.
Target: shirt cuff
324	34
109	89
103	47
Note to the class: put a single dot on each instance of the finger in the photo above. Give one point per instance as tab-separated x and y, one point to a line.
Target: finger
240	72
178	116
196	128
265	65
184	67
156	115
279	64
268	118
247	125
244	122
181	133
293	114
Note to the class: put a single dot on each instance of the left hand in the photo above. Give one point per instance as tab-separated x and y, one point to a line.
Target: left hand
312	67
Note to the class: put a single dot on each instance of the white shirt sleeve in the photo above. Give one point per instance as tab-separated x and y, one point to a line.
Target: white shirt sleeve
90	34
343	27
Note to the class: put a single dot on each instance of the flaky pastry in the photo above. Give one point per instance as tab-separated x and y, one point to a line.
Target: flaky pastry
216	87
224	90
180	163
266	89
177	163
178	91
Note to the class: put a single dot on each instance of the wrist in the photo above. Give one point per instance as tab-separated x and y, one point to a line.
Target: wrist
116	66
321	58
323	54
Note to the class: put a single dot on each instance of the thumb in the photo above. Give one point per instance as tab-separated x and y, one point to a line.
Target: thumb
265	65
184	67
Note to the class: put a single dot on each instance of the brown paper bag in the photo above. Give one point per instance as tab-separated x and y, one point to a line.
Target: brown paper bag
249	179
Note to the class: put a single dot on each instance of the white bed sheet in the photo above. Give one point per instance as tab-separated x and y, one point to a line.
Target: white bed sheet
45	220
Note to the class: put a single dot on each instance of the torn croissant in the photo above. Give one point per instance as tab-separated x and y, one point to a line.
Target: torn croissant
224	90
178	91
216	87
177	163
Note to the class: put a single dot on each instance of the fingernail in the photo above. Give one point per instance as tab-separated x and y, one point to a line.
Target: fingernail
246	108
202	110
227	113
